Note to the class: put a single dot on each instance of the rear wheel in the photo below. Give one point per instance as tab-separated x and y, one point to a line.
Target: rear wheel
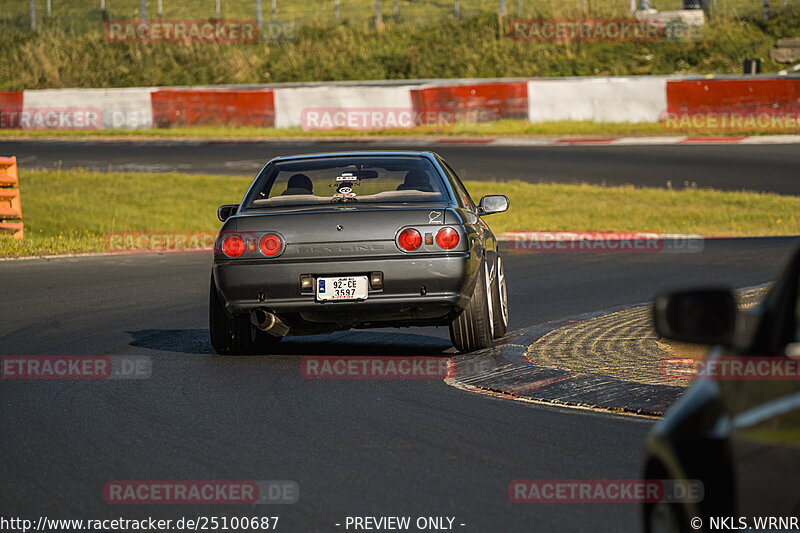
472	329
235	335
664	516
499	301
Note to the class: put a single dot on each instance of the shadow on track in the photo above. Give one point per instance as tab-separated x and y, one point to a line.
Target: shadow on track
196	341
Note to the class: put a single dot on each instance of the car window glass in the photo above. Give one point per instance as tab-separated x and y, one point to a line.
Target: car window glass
323	182
357	180
466	199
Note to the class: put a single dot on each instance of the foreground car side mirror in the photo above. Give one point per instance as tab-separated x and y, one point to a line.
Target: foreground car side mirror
493	203
227	211
698	317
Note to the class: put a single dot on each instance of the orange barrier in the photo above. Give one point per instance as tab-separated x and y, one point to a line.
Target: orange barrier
751	103
10	107
475	102
224	107
10	202
749	94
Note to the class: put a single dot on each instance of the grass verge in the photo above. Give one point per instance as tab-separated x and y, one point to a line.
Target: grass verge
500	128
71	211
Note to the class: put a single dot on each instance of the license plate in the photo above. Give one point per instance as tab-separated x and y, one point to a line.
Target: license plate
342	288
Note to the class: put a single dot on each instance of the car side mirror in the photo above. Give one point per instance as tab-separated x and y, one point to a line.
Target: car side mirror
227	211
493	203
698	317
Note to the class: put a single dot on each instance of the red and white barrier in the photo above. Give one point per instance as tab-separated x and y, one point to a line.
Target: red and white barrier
127	109
219	107
624	99
10	99
743	104
749	94
291	103
474	102
376	105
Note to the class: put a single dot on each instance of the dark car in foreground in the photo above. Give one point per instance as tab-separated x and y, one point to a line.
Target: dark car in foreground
335	241
737	428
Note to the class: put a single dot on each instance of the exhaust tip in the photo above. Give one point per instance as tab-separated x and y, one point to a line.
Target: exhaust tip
268	322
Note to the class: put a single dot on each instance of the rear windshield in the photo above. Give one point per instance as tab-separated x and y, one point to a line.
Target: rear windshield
347	180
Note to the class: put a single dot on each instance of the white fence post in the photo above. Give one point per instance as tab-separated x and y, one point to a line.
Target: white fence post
143	9
49	10
259	18
336	11
160	7
274	9
33	15
766	10
502	8
218	7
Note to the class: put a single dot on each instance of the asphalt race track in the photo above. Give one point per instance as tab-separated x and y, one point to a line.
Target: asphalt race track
729	167
363	447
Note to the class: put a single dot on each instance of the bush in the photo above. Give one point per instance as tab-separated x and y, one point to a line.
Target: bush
455	48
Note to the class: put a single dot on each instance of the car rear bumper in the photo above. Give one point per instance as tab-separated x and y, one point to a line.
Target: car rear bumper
418	289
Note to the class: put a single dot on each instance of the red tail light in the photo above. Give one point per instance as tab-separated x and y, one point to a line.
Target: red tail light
447	238
270	245
409	239
233	246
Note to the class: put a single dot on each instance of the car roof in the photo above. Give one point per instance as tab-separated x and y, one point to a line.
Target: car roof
362	153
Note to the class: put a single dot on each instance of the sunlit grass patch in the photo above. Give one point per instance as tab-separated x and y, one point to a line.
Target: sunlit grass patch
72	211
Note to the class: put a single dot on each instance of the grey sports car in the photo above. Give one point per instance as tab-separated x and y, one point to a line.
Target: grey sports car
334	241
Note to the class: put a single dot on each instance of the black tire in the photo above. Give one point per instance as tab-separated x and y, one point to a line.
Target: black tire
664	517
472	329
499	301
234	335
